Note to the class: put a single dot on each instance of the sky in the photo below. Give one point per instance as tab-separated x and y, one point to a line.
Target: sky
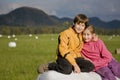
106	10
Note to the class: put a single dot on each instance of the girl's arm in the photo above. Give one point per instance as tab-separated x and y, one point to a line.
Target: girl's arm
105	55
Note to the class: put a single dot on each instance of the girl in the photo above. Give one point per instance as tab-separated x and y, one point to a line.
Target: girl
97	53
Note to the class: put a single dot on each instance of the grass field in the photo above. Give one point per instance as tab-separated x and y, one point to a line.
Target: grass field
21	62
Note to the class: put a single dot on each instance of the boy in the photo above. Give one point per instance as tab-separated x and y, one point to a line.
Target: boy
69	46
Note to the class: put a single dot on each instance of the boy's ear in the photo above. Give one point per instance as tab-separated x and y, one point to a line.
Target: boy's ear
73	23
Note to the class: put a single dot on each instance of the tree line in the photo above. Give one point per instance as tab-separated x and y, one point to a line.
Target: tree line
18	30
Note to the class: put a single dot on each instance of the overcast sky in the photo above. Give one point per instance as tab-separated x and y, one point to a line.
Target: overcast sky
106	10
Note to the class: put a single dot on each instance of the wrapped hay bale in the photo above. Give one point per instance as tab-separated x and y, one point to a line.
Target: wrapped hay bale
12	44
117	51
53	75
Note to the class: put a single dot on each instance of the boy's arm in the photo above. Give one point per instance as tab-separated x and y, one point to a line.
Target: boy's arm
95	37
76	69
64	48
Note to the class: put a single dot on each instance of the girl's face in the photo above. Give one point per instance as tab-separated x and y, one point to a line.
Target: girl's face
79	27
87	35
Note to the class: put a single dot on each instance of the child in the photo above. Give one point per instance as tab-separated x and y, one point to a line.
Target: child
69	44
97	53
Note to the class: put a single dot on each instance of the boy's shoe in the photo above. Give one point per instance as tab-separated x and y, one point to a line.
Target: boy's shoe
42	68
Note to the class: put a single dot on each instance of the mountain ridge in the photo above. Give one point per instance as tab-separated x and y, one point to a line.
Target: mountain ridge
28	16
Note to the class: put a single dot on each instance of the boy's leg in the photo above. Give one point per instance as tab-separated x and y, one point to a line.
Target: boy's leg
106	73
115	67
61	65
85	65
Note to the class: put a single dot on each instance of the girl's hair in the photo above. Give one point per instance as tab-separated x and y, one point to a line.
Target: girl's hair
81	18
91	29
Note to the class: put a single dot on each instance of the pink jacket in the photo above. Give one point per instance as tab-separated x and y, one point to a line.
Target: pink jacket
97	53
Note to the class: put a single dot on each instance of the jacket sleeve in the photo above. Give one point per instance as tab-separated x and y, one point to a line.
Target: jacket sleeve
64	48
105	55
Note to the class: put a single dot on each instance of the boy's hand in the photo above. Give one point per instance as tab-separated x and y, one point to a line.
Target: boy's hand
76	69
95	37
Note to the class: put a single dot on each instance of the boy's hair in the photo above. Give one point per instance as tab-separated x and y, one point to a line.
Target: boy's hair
81	18
91	29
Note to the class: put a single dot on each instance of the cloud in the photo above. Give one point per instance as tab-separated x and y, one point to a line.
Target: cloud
104	9
6	7
15	5
3	8
53	13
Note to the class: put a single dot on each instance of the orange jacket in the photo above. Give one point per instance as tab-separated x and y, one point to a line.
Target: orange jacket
70	45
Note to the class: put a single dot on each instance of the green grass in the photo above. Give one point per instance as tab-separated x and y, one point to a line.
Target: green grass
112	44
21	62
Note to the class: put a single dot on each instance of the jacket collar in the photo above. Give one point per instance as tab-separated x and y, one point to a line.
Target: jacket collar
73	30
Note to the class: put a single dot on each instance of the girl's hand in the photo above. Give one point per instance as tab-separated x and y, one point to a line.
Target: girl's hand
76	69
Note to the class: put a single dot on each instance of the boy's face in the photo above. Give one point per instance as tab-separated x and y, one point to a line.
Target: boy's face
87	35
79	27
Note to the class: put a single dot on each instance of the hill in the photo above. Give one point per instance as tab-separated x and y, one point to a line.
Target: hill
102	24
27	16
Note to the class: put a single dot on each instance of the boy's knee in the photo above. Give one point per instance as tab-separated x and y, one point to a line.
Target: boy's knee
87	66
67	71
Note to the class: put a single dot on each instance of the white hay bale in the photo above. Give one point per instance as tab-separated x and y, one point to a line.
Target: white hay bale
117	51
8	36
36	37
110	38
117	35
16	39
53	75
30	35
13	35
113	35
0	35
12	44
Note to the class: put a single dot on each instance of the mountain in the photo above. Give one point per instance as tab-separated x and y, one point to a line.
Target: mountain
27	16
97	22
102	24
61	20
113	24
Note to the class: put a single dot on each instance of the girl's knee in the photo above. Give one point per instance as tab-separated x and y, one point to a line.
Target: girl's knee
106	73
115	67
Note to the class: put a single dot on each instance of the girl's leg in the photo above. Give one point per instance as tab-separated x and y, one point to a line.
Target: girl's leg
85	65
61	65
115	67
106	73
